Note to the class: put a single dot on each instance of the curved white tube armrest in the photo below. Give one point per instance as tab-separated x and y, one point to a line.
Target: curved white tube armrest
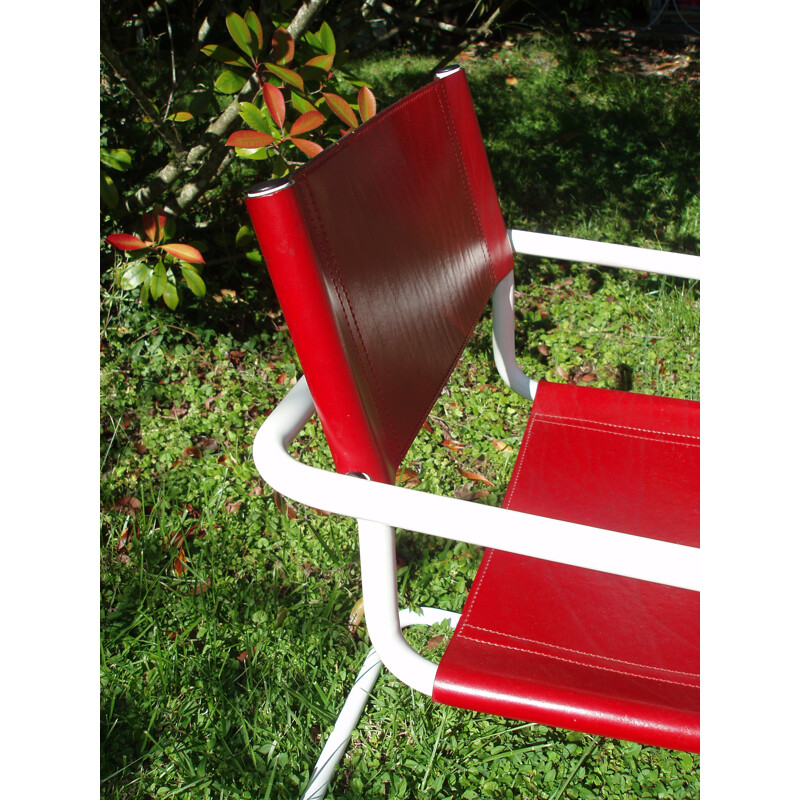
485	526
604	254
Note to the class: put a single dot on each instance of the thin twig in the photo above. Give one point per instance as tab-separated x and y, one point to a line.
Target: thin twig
166	325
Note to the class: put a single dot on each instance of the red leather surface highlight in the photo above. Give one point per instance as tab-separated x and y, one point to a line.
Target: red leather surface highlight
576	648
405	242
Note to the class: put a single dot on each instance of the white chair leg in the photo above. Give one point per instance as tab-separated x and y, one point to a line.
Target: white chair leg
357	700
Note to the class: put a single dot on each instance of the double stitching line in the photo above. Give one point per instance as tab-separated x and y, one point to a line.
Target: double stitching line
344	301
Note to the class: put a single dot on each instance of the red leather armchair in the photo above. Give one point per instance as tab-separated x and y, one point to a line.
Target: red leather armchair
384	251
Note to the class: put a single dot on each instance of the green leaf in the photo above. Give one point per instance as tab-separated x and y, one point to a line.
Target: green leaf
299	103
253	153
193	280
327	39
225	55
286	75
171	295
134	275
254	117
253	22
240	33
108	191
229	82
158	280
144	294
244	237
313	40
341	108
117	159
180	116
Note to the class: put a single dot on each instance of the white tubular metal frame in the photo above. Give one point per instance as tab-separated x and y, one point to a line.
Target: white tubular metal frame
357	699
380	508
485	526
603	254
503	340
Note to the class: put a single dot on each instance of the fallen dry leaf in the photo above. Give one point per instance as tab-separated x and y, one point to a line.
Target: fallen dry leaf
406	477
356	615
503	447
179	563
284	506
129	505
475	476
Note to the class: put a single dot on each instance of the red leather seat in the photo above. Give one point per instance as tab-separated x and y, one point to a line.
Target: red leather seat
572	647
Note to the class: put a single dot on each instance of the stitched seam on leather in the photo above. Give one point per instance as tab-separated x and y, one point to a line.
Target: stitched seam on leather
475	590
553	418
526	442
582	652
539	418
455	144
578	663
336	277
439	88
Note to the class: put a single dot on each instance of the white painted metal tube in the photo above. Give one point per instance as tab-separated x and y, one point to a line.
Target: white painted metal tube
346	722
485	526
379	586
605	254
356	701
503	340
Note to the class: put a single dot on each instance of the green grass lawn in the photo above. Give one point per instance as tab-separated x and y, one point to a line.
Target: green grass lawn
226	630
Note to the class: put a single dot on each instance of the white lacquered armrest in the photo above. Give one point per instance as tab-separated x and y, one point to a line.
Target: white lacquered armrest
485	526
604	254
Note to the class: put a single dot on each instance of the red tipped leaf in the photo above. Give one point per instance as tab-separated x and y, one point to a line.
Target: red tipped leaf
341	108
287	76
321	62
366	103
249	139
185	252
125	241
307	122
153	224
275	102
311	149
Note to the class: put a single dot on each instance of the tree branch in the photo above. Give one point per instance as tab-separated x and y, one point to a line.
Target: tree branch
148	107
304	17
208	159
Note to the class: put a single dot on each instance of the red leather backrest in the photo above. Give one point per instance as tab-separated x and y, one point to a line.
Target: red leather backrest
384	250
